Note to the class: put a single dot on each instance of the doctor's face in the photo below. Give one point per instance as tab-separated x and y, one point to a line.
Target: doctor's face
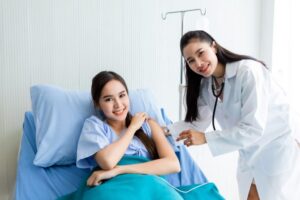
114	101
201	57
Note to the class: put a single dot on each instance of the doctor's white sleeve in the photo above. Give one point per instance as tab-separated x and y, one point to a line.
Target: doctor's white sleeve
201	124
253	111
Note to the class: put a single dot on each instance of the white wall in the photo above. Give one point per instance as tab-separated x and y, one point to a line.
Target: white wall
66	42
266	39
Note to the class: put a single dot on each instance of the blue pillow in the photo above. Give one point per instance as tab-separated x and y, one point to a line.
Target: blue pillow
59	115
142	100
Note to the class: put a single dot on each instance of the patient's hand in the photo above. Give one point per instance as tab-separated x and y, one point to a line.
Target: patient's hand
137	120
98	176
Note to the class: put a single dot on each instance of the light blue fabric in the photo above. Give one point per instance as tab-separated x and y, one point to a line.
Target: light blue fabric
58	180
36	183
190	172
59	116
143	100
96	135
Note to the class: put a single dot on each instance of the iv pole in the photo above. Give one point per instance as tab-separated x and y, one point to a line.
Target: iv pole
181	85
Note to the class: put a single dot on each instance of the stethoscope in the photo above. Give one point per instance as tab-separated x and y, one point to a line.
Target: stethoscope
216	101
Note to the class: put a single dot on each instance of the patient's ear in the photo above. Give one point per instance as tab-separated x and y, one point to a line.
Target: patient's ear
97	106
100	114
98	111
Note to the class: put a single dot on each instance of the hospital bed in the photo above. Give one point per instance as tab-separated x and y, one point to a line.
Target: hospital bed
47	183
35	182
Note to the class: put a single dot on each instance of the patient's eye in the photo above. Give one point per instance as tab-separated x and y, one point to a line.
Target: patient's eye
123	95
108	99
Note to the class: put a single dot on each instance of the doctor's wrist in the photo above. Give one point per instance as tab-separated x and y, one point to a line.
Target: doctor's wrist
203	138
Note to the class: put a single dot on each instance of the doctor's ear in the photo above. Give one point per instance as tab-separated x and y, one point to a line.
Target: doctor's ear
214	46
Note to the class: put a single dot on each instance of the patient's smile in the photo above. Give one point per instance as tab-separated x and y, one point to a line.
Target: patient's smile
119	112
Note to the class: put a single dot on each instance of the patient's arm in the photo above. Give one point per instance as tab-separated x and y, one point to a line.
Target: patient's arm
165	164
108	157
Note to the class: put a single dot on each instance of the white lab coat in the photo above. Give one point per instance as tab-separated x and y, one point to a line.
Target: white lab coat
255	119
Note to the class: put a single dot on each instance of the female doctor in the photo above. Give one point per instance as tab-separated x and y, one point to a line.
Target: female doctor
253	114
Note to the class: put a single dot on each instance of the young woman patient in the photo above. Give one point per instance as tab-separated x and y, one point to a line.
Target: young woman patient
127	153
122	134
131	146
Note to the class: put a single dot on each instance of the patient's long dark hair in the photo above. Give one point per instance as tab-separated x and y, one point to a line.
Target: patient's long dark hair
193	80
98	82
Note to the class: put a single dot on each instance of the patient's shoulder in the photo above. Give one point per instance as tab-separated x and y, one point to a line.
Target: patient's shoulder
94	123
95	120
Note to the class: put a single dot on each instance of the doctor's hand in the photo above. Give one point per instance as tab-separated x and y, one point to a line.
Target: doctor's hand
192	137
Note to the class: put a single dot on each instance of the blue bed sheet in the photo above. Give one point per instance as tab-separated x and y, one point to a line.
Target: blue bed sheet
36	183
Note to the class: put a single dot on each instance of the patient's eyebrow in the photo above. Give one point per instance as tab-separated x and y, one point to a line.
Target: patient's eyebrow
110	95
107	96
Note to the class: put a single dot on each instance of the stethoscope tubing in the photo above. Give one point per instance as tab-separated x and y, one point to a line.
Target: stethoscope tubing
216	101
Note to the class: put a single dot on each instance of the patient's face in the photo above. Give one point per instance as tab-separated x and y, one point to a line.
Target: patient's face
114	101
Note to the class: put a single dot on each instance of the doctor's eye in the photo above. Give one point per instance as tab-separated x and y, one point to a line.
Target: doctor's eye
200	53
191	61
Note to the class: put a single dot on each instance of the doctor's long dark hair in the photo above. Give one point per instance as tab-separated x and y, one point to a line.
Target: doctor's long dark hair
98	82
193	80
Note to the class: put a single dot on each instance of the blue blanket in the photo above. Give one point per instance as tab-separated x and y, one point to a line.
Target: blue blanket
142	186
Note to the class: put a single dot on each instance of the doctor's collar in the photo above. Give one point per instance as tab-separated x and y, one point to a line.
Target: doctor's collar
231	69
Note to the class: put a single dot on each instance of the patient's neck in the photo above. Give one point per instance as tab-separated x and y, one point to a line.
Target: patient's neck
117	126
